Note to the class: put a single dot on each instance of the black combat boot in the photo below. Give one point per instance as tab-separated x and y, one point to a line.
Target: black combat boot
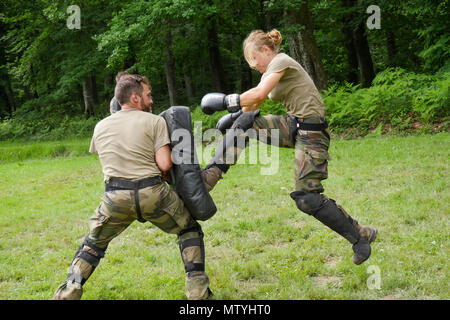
326	211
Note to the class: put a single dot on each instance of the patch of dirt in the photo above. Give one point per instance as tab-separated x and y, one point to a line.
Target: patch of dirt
328	281
300	224
279	244
332	262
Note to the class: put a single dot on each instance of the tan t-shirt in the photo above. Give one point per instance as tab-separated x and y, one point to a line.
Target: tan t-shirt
126	143
295	90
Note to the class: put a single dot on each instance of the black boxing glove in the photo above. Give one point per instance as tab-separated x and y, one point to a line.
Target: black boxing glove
233	102
213	102
227	121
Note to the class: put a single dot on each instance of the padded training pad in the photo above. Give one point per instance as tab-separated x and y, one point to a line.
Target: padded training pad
186	171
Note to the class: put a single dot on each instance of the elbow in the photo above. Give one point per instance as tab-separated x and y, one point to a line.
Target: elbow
166	166
163	158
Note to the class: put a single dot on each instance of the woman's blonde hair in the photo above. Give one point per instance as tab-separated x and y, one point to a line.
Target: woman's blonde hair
257	39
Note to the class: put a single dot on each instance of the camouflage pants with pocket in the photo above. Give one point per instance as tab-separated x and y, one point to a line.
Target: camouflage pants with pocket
160	205
311	149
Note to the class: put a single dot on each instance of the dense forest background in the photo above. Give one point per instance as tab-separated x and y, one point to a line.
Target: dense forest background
57	77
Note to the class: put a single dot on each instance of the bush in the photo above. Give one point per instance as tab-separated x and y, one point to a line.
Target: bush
398	99
49	128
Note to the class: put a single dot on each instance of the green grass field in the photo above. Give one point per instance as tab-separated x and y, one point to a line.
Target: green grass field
258	245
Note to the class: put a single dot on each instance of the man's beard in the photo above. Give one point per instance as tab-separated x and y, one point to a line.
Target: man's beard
146	108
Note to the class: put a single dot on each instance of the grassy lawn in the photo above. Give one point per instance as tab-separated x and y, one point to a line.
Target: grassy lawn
258	245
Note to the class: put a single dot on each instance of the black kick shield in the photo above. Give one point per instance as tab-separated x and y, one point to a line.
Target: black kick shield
186	170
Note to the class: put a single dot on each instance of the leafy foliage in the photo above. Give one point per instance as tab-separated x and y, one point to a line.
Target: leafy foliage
397	98
44	65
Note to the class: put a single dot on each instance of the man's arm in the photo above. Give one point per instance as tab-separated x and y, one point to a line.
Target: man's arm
92	145
252	99
163	158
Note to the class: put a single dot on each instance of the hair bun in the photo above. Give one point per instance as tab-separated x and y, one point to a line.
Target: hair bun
275	36
257	39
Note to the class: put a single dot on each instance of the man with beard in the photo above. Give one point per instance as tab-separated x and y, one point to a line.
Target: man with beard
133	149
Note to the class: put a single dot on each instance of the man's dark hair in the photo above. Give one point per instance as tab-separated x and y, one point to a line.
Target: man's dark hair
127	84
120	75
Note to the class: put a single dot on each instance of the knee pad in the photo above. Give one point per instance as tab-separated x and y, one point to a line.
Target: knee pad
308	202
192	249
326	211
91	255
245	120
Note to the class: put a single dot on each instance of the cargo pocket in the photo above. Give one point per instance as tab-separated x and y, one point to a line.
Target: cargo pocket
98	221
172	204
101	216
318	158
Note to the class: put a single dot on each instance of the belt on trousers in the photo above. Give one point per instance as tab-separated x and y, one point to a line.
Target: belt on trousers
302	125
122	184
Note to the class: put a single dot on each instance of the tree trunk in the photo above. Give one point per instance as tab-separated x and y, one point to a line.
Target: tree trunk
94	90
364	57
391	47
10	97
88	97
80	97
169	68
246	77
189	88
303	44
108	86
264	17
361	45
215	60
7	108
108	81
352	59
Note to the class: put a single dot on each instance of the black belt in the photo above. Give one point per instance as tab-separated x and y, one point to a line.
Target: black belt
122	184
313	126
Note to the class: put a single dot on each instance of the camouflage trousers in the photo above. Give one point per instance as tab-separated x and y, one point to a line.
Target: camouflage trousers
311	149
160	205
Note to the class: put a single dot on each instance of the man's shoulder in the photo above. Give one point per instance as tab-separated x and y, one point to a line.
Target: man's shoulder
152	116
102	122
136	115
144	115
